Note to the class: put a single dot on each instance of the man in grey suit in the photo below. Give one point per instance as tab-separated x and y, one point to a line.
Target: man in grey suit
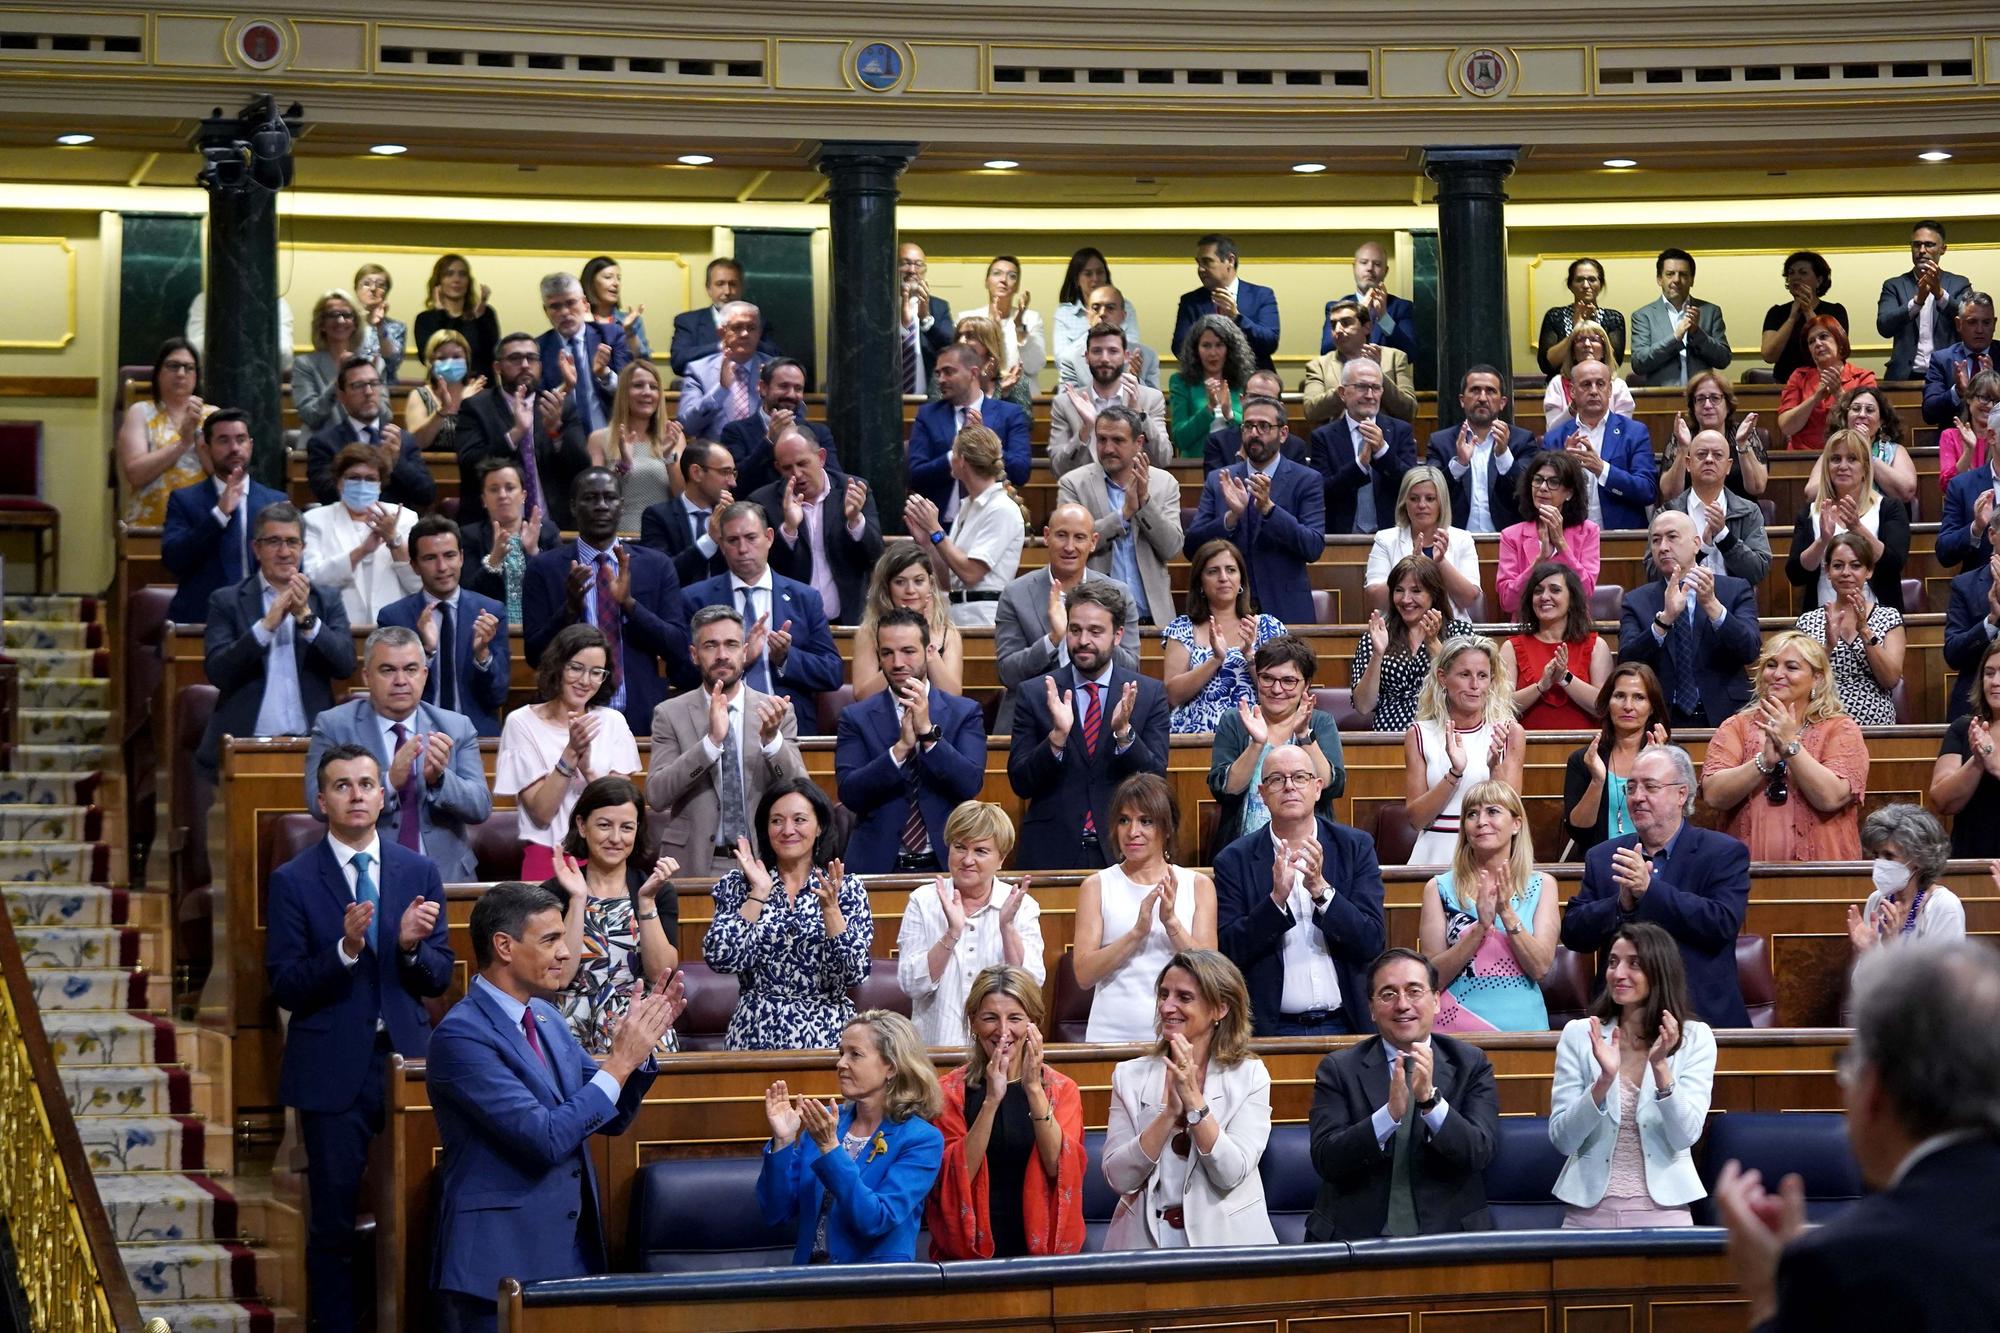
433	784
1676	337
1137	509
1030	624
703	776
1916	308
1074	411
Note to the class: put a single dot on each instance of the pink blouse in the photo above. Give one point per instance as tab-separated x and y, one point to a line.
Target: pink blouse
1521	551
1957	454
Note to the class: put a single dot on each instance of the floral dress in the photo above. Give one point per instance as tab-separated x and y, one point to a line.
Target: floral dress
601	991
1228	685
147	506
1402	676
794	979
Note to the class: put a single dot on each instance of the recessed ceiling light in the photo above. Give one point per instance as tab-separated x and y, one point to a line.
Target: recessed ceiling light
1620	162
1309	168
388	149
1002	164
75	140
1935	155
694	159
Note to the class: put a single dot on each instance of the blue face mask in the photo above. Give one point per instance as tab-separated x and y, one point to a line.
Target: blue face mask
451	372
360	495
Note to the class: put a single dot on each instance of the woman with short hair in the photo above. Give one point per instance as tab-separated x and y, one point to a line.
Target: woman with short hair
383	340
357	546
1812	389
1711	405
430	414
1586	284
1588	341
156	441
1909	900
966	920
335	330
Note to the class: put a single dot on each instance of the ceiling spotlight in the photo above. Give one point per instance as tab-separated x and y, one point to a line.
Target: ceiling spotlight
388	149
1002	164
1620	162
694	159
75	140
1934	155
1309	168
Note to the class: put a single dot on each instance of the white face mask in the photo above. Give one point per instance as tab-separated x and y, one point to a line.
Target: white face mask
1889	876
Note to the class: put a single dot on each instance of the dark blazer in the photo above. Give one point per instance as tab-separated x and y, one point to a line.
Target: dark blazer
550	344
1892	526
1576	781
516	1130
1224	446
1502	488
233	661
1723	651
1957	543
1232	739
695	336
938	337
1354	1169
1397	329
484	422
749	444
1941	400
1345	479
409	483
330	1044
1250	926
1631	482
852	558
1699	899
476	540
667	528
878	791
201	556
655	628
1256	315
1278	546
1896	321
1966	636
931	437
813	665
1059	788
1917	1258
482	695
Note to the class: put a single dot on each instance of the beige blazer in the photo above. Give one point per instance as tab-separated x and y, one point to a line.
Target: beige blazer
1321	390
682	780
1073	425
1223	1202
1157	528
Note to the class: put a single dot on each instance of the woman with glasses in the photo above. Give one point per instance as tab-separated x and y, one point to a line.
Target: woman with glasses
1908	901
1465	734
1557	657
156	441
551	751
1559	323
1711	405
1282	715
1422	526
1965	780
1967	443
1634	709
1394	655
1189	1121
1867	412
1559	528
1489	925
382	338
336	336
1790	771
1209	647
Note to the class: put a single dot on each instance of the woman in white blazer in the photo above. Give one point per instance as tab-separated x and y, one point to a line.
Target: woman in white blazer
1189	1122
1631	1091
357	546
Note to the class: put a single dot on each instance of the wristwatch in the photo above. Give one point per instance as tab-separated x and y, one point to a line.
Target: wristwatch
937	536
1791	749
1569	678
306	622
1429	1104
931	737
1660	619
1196	1117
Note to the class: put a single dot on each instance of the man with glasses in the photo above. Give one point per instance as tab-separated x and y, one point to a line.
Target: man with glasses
206	540
1347	341
1692	882
580	355
1403	1124
1273	509
926	324
522	422
722	388
1298	897
1106	305
1369	454
1915	309
1729	529
364	418
1695	628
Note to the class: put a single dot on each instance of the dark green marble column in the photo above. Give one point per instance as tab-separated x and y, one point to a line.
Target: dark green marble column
240	365
158	277
864	397
1472	326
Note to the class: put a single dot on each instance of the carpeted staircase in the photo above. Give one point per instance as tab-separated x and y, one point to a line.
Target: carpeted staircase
150	1094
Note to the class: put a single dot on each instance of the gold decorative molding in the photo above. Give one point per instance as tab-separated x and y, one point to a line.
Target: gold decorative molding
32	291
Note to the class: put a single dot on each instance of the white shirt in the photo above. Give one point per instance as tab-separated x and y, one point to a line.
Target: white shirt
937	1008
1365	517
988	529
1384	1123
331	534
1692	505
714	751
345	855
1593	510
1310	980
529	748
813	530
1924	343
954	501
1676	311
1481	517
1393	543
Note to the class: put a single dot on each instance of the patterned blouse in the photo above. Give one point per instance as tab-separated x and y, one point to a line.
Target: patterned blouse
794	979
1867	702
601	991
1232	682
1402	676
147	506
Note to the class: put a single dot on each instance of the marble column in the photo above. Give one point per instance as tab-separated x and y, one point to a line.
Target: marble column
1472	325
240	357
864	396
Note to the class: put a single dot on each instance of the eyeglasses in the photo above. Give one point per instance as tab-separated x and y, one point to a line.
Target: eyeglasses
1262	427
364	384
189	368
1290	781
520	358
1654	788
1271	682
341	316
578	671
1414	993
1366	386
1545	482
1708	399
281	543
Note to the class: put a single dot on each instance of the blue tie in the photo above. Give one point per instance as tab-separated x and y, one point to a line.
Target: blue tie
758	672
1680	641
366	892
586	385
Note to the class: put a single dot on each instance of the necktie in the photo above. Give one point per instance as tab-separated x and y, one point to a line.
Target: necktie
512	566
370	433
534	1038
739	393
409	826
760	672
610	619
586	385
1402	1194
733	822
912	358
1687	695
916	838
531	480
365	891
698	520
447	689
1093	721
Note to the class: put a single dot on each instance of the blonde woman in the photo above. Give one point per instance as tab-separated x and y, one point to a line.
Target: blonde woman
1849	501
982	335
431	413
1465	733
1422	526
965	920
982	552
1489	925
902	578
336	335
638	442
382	338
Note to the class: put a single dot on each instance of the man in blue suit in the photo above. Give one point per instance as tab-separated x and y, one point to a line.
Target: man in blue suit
938	424
1483	455
1321	903
517	1100
684	527
1964	537
433	785
696	331
596	352
1080	731
926	319
1971	624
789	648
206	540
629	592
355	944
1273	509
1948	382
1392	320
910	746
1367	454
1616	453
721	388
1695	628
1690	881
1254	308
464	634
781	406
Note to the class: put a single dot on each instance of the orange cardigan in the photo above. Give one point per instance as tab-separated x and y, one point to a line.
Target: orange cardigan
1051	1211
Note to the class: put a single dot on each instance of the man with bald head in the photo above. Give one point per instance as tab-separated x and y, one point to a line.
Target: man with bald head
829	536
1729	527
1387	321
1620	478
1030	623
721	389
1697	629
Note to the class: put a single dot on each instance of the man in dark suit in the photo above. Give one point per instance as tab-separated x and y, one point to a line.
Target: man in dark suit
464	634
1614	450
578	353
1391	320
1226	445
1367	452
1692	882
1273	509
926	320
695	331
938	424
908	749
273	645
538	428
1971	624
1695	628
1916	308
1921	1083
721	388
1254	308
1964	535
829	535
206	540
508	535
406	478
789	648
517	1101
1302	888
355	944
781	406
1403	1124
627	591
1948	381
1483	455
684	527
1078	732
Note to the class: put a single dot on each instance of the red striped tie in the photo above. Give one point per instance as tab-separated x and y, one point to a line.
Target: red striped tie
1093	722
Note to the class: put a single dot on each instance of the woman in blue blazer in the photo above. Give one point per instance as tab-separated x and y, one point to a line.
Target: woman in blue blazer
855	1180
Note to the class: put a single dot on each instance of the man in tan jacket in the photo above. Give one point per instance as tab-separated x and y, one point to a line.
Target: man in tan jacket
1137	509
1350	340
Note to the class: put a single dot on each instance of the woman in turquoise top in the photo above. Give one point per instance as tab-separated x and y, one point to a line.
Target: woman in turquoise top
1634	709
1215	364
1487	924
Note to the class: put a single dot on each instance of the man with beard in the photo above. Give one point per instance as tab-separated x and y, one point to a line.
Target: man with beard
518	419
1273	509
1073	411
753	440
206	540
1137	511
687	528
1030	627
1484	454
1347	339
